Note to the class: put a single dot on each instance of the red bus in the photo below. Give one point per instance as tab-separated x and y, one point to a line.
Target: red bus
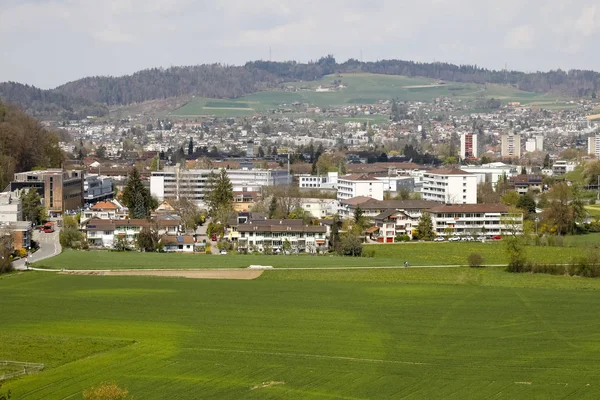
48	227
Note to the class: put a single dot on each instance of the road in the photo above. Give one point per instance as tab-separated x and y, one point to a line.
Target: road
49	247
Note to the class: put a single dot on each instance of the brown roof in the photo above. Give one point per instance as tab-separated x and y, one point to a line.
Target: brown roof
356	200
97	224
281	228
104	205
367	203
448	171
187	239
284	222
473	208
357	177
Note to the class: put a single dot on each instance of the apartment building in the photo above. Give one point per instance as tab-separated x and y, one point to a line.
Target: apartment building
511	146
562	167
178	183
523	183
105	232
97	188
302	238
62	190
371	208
469	147
475	220
594	145
320	208
328	181
105	210
355	185
21	232
450	186
10	207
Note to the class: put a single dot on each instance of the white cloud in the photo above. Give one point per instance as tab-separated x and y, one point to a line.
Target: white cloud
148	33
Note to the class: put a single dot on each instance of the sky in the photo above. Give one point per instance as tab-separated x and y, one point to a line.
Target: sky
50	42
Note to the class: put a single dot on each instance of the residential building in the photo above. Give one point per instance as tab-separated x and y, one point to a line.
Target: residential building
475	220
523	183
392	223
539	142
62	190
394	184
354	185
243	201
105	210
104	232
469	146
371	208
97	188
562	167
328	181
21	232
302	238
178	183
450	186
320	208
178	244
511	146
530	145
10	207
594	145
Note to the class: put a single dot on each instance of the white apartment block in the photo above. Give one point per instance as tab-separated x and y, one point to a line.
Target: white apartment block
469	146
491	172
530	145
562	167
10	207
320	208
511	146
176	183
475	220
105	232
535	144
328	181
594	145
451	186
302	238
355	185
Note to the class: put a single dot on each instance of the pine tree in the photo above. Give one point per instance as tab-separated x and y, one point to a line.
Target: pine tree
191	147
273	207
219	197
425	228
137	197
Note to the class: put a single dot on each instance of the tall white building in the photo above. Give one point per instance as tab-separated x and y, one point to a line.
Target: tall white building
175	183
354	185
10	207
328	181
594	145
469	146
539	142
511	146
450	186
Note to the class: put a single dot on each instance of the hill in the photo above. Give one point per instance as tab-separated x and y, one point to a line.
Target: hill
49	103
231	82
24	144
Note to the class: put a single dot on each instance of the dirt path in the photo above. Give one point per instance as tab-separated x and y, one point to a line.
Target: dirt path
208	274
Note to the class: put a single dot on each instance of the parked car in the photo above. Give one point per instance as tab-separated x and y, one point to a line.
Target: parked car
223	252
468	239
454	239
481	238
213	238
439	239
497	237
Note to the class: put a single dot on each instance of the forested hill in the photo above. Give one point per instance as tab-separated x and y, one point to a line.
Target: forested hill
49	103
24	144
82	97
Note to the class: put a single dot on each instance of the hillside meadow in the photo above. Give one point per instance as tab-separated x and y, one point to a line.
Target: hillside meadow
422	333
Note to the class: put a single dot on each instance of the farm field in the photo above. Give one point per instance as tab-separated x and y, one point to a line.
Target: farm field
361	88
453	333
386	255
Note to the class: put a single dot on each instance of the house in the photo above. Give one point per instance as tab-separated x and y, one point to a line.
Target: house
392	223
523	183
475	219
320	208
372	208
302	238
244	200
179	244
105	232
110	209
448	185
562	167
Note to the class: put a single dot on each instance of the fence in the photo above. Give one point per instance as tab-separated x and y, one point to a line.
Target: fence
19	368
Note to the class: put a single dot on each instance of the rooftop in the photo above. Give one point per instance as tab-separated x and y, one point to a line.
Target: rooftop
470	208
448	171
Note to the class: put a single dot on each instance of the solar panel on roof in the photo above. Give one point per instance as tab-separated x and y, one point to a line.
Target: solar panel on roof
180	239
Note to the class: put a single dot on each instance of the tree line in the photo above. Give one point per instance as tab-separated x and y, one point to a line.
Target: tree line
91	95
24	144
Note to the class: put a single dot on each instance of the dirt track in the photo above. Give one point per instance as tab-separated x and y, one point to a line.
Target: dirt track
207	274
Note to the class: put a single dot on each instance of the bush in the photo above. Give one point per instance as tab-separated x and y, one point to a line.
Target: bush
402	238
70	238
475	260
105	391
368	253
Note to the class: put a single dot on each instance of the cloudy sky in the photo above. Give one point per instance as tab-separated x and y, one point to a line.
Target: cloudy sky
50	42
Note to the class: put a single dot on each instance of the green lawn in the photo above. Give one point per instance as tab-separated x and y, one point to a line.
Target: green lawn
387	255
361	88
454	333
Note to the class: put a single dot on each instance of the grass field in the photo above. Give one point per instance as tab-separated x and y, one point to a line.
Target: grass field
362	88
454	333
385	255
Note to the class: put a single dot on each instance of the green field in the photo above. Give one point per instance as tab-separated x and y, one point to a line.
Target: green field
361	88
450	333
387	255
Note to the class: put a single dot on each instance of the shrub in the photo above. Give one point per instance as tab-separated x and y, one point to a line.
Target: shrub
105	391
368	253
402	238
475	260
